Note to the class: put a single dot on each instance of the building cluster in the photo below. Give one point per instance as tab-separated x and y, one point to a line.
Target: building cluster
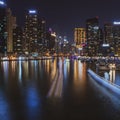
33	38
95	41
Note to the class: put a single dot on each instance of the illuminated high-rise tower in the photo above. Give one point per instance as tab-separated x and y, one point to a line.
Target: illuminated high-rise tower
3	28
34	31
11	24
31	30
116	38
109	43
18	40
93	36
79	36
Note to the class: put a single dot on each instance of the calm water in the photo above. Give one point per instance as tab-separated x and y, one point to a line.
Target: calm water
54	90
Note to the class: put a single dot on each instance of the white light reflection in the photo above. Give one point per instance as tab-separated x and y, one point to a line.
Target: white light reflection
66	72
20	72
110	85
54	69
57	85
66	69
104	94
51	91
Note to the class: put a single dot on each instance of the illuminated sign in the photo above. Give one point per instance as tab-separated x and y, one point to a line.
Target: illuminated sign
32	11
105	45
116	23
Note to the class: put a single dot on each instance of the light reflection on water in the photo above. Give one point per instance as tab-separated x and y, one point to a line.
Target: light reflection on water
56	88
4	107
114	75
110	100
27	88
79	76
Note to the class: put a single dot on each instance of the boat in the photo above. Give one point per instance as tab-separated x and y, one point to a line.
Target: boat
103	81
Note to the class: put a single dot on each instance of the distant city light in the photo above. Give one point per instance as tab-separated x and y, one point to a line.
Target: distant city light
80	48
105	45
32	11
2	3
53	34
116	23
96	27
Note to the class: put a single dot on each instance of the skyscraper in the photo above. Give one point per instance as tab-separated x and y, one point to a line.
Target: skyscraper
34	31
31	30
92	36
79	36
3	28
109	44
116	38
18	40
11	24
80	39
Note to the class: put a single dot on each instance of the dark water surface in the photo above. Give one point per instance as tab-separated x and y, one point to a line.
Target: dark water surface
54	90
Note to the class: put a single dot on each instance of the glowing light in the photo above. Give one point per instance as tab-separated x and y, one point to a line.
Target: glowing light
2	3
96	27
116	23
113	87
53	34
105	45
32	11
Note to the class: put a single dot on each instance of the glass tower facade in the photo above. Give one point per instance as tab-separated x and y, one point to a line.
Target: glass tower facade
34	31
93	36
3	28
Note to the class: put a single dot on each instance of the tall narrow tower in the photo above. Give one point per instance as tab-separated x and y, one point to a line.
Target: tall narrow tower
93	36
31	30
3	28
11	24
34	32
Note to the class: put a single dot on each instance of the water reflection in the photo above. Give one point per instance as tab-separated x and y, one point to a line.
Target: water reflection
32	102
57	84
24	86
4	107
5	69
107	97
114	75
79	75
20	71
66	70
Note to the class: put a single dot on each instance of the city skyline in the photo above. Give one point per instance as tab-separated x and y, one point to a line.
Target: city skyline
64	16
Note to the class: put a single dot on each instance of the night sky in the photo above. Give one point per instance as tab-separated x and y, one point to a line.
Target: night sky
64	15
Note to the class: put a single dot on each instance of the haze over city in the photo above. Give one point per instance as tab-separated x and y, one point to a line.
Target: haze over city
64	15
